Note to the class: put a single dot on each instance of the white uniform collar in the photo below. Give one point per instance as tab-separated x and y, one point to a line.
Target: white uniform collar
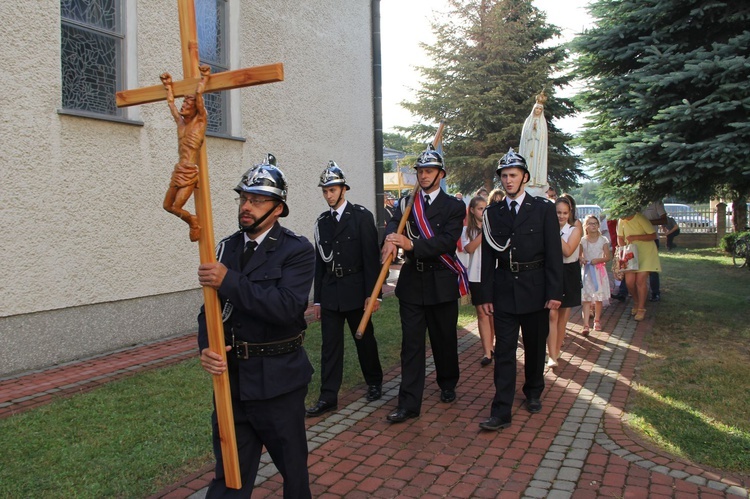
258	239
340	210
518	200
432	195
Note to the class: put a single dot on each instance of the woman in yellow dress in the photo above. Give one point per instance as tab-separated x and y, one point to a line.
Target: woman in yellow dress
638	230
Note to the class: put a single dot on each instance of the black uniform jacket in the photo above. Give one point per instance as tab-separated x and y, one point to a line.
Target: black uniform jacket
269	297
446	215
534	236
353	244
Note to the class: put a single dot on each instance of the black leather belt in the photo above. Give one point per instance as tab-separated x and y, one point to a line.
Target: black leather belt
521	266
245	350
341	271
423	266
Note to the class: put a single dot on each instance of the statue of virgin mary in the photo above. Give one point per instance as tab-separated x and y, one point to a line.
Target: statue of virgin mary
533	145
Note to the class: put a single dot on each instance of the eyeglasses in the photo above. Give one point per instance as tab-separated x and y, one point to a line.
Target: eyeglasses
253	201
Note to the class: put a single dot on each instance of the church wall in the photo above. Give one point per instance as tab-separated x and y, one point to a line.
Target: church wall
90	261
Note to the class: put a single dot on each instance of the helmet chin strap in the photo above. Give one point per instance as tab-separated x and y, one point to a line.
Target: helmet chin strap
338	200
251	228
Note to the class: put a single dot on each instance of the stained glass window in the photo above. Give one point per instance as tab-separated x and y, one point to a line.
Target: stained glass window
211	19
91	48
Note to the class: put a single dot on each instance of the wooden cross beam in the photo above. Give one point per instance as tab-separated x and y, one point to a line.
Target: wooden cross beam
227	80
220	81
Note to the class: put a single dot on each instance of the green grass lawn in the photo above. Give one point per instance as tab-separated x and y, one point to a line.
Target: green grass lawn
128	438
691	394
135	436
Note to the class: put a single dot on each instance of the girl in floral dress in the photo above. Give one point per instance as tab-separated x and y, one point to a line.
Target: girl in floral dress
595	254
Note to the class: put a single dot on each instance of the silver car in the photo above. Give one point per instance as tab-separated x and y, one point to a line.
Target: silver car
685	216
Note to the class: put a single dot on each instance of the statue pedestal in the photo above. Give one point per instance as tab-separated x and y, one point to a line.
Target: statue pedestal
537	190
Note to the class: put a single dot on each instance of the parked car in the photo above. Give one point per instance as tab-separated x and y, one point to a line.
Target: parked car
685	216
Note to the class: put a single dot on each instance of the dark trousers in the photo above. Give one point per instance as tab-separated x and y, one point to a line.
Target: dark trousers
623	289
670	239
440	321
535	328
279	425
332	351
653	277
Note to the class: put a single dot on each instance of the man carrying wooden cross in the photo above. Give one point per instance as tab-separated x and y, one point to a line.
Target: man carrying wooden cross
263	278
226	80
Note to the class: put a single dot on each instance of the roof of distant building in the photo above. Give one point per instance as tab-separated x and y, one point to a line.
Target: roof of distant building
389	153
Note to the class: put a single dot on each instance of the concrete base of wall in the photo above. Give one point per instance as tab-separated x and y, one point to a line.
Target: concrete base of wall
692	240
40	340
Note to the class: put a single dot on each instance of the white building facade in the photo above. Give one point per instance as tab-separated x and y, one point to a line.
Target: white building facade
90	262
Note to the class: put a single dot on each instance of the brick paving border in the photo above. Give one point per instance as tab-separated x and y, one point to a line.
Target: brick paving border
31	389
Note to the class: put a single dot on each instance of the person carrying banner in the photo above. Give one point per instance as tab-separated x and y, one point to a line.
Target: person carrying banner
431	281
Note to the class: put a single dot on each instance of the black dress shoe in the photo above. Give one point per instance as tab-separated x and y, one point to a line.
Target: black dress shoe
533	405
374	392
655	297
495	423
617	297
320	408
448	395
400	415
486	361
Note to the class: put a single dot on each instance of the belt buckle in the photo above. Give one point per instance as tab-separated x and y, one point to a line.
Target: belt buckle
242	350
513	266
338	272
420	266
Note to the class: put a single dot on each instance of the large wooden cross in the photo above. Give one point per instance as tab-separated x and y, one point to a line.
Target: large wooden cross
219	81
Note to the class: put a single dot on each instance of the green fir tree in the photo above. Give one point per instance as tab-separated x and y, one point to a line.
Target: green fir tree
490	60
669	97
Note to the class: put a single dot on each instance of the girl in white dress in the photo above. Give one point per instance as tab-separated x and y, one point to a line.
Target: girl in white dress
570	240
471	242
595	254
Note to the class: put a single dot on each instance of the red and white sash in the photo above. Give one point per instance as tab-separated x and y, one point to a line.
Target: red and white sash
450	260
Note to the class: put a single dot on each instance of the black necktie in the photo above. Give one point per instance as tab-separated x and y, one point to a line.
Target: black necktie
427	201
249	250
513	205
335	216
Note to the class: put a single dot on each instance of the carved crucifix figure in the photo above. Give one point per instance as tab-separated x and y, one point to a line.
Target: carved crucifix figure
226	80
191	123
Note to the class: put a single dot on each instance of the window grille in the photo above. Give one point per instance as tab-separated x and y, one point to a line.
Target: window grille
212	26
91	52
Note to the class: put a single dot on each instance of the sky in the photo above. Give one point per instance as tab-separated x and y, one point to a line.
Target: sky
405	23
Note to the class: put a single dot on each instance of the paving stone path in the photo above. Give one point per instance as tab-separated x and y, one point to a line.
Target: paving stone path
577	447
